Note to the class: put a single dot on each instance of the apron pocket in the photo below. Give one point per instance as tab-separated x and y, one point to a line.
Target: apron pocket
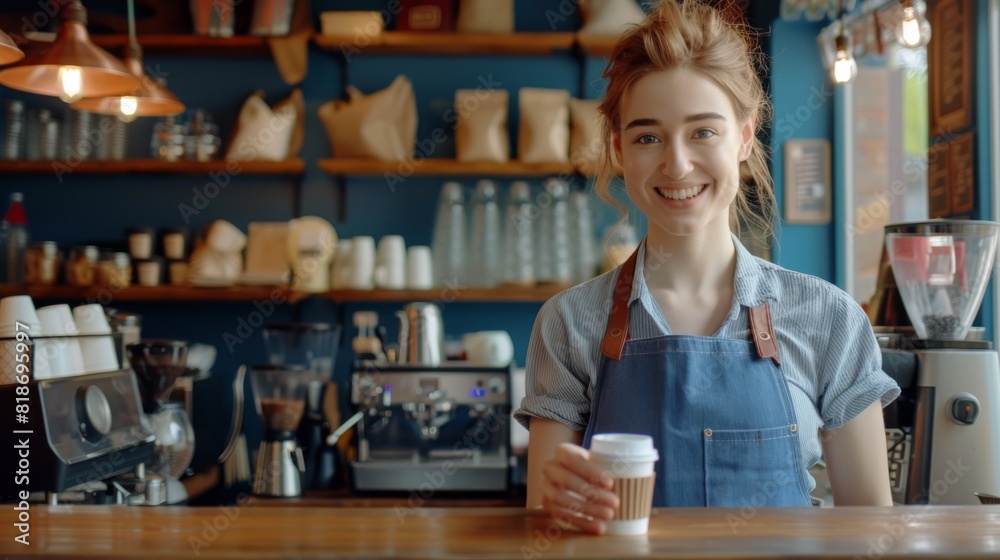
757	468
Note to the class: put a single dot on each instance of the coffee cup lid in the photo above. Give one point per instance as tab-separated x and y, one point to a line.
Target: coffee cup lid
638	447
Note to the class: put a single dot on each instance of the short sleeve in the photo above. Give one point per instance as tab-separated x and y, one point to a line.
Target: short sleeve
851	376
556	387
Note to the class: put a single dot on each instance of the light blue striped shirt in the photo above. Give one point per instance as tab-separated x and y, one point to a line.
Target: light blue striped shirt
829	355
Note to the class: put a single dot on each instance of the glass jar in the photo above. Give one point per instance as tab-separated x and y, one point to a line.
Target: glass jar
81	266
114	270
41	263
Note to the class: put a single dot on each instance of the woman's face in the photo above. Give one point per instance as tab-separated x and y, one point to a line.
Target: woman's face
680	145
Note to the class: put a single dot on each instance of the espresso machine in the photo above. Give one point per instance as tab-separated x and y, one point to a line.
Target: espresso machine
943	432
427	423
86	441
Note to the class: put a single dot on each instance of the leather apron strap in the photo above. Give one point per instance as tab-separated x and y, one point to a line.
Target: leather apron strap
616	333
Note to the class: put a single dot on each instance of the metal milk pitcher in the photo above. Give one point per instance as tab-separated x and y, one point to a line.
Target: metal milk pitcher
421	334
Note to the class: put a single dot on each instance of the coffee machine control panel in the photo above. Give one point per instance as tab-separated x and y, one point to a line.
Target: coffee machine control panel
428	386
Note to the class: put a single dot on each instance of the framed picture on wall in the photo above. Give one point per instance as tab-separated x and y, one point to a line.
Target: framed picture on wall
950	70
807	182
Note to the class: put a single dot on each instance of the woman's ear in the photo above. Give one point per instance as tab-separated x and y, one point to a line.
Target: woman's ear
747	137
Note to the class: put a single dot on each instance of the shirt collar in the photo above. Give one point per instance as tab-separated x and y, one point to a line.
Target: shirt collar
751	288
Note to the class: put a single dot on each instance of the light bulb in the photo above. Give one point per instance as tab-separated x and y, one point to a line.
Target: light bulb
913	30
129	105
71	83
845	68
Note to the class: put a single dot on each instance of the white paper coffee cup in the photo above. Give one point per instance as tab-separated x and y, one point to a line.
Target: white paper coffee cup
630	460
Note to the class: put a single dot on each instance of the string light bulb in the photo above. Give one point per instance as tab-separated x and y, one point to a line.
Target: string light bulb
129	105
914	30
845	68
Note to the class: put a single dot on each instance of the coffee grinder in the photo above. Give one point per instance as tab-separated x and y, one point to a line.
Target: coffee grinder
943	432
313	345
157	365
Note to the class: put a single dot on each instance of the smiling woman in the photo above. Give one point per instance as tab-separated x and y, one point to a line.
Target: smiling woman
715	354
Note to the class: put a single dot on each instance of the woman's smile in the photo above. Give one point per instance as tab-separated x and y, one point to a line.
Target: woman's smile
680	197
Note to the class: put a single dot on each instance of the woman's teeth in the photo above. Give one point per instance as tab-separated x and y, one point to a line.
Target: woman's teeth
681	194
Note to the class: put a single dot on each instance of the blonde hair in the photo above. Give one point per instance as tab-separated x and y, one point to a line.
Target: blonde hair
695	36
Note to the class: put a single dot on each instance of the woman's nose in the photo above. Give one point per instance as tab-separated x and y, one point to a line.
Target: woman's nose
676	161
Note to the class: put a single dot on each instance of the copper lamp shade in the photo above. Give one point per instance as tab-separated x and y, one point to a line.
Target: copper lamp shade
100	74
151	99
9	53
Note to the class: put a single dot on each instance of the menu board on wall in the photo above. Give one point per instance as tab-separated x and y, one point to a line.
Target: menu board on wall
951	65
807	182
962	173
937	181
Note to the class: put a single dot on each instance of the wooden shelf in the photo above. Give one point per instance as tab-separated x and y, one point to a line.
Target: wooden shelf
442	167
281	293
501	294
142	293
294	166
188	45
402	42
596	46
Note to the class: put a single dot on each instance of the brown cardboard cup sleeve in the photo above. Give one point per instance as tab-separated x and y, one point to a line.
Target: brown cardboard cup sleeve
382	125
636	497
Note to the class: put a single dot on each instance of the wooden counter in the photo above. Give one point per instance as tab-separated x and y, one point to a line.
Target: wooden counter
247	531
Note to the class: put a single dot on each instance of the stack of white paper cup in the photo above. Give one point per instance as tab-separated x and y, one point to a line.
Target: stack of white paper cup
64	356
14	310
98	351
629	459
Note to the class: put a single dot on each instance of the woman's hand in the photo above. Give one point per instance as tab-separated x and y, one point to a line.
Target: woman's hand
577	491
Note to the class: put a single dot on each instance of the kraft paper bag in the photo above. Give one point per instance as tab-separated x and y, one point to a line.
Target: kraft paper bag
382	125
585	134
481	133
291	53
543	133
608	17
266	134
485	16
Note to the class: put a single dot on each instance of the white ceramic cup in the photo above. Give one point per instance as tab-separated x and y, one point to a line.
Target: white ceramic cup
98	351
630	460
491	348
148	273
419	268
341	267
18	309
178	271
390	263
57	320
362	263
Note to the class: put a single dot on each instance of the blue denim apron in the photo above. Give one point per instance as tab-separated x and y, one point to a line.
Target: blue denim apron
719	411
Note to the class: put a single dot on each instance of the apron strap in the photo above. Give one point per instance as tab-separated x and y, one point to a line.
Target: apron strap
617	332
763	333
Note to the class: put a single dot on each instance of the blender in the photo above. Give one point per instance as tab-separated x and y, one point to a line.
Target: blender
279	391
943	432
157	365
314	346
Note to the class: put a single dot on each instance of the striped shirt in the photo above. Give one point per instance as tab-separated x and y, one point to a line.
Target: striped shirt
829	355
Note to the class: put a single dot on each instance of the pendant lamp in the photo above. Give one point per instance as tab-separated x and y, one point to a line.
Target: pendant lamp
73	67
149	100
9	53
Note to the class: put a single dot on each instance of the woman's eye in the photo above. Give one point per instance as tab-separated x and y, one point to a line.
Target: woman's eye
646	139
704	133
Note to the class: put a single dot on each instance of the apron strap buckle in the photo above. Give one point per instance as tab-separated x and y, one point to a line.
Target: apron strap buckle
763	333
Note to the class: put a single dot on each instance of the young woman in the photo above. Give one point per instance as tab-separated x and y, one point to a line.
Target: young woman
744	373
